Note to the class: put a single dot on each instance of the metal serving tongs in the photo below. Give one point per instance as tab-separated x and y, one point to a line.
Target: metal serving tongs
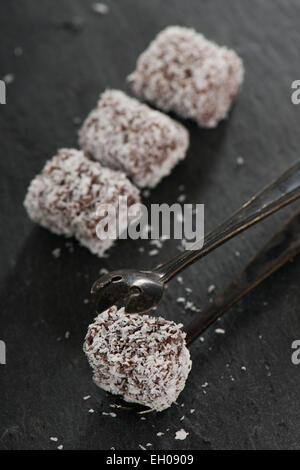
140	291
281	248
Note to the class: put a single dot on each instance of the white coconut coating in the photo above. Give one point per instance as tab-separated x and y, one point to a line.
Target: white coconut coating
65	196
182	71
142	358
126	135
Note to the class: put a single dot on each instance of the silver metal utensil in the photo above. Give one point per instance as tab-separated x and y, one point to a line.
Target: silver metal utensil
140	291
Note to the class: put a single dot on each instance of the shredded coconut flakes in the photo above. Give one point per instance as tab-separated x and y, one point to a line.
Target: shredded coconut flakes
181	435
140	357
184	72
126	135
65	196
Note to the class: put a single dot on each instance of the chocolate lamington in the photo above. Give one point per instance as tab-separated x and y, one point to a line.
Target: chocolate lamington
142	358
182	71
126	135
65	196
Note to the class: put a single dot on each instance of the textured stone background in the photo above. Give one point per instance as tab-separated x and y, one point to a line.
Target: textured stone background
57	79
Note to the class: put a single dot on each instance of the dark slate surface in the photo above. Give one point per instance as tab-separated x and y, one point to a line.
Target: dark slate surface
58	78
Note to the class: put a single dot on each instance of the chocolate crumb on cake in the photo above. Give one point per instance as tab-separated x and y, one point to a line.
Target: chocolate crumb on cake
124	134
65	196
142	358
182	71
